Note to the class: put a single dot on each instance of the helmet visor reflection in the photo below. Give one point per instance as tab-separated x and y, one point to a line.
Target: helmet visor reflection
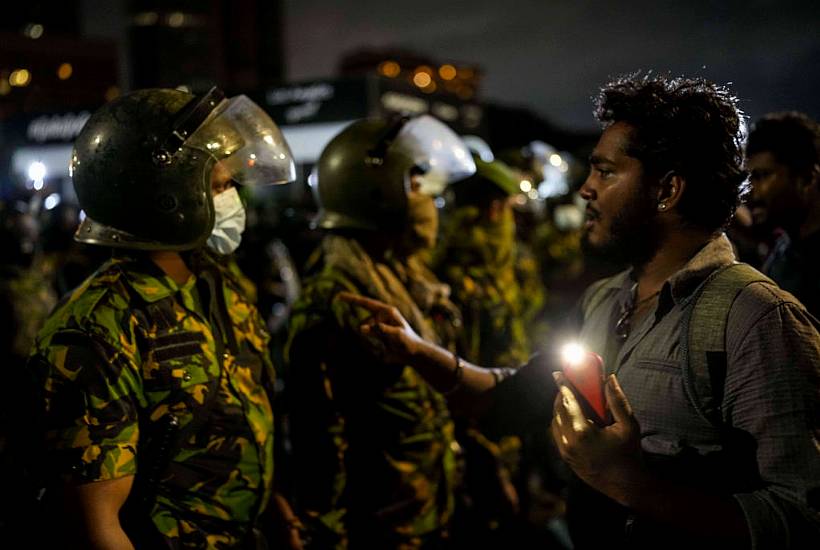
438	150
245	140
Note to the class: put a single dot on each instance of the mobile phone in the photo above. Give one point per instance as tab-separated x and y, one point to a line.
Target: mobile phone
584	370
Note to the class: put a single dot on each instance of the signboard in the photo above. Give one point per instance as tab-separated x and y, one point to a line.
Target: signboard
313	102
351	98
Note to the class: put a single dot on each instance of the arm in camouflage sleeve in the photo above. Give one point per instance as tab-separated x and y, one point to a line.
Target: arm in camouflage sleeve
467	387
86	388
317	423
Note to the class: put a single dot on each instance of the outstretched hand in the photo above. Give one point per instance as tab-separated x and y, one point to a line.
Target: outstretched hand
386	331
608	458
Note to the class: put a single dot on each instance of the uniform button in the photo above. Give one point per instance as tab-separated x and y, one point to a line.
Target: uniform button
186	376
226	355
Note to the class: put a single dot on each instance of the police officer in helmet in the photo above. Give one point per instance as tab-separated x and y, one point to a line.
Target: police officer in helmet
373	442
150	378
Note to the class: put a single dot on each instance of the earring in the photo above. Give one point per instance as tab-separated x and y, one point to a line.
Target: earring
662	206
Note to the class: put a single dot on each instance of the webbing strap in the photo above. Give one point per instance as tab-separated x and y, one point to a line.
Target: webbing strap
703	336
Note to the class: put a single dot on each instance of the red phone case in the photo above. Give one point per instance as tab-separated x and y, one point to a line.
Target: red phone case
587	379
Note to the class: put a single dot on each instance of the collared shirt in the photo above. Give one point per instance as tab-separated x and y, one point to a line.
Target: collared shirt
127	351
771	396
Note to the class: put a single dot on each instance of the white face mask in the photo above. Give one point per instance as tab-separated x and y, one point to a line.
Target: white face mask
229	222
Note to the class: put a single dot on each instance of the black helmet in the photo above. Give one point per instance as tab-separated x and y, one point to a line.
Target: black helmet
363	174
141	165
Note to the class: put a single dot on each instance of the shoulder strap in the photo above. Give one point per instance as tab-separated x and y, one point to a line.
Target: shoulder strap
703	336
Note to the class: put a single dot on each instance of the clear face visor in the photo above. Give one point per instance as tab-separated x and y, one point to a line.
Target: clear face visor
245	142
436	150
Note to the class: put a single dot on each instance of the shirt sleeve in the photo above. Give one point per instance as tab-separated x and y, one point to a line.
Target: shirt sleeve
772	394
522	402
87	402
319	327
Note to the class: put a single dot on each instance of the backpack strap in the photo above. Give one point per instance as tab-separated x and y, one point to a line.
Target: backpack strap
703	336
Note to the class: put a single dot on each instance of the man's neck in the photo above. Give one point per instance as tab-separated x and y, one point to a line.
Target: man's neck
674	252
172	264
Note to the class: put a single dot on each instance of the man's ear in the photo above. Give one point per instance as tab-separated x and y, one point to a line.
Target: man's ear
814	177
670	190
808	184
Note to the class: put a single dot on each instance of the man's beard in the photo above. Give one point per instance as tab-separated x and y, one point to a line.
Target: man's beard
634	234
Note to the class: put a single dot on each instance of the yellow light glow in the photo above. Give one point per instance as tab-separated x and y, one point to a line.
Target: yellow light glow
525	186
176	19
447	72
390	69
555	159
465	92
422	79
112	93
20	78
64	71
573	354
466	73
146	19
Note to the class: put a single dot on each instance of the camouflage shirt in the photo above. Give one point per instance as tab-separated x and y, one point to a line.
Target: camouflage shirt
130	354
373	442
480	267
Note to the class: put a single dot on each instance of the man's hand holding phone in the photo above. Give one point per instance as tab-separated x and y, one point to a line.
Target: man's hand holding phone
584	372
594	428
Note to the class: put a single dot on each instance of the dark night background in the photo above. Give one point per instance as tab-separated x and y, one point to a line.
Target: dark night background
551	55
548	56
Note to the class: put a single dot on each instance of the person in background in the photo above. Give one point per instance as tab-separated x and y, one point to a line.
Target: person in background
26	299
477	259
783	158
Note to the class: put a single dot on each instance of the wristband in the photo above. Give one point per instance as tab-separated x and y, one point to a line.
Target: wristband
458	374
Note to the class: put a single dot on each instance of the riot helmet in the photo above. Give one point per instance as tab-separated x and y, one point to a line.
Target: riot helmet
363	175
141	165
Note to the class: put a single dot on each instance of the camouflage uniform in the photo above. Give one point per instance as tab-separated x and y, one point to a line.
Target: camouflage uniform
479	263
480	268
27	298
131	353
373	442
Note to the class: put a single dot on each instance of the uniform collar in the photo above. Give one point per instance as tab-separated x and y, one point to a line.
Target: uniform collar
147	280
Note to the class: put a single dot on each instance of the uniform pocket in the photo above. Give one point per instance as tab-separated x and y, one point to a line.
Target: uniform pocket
176	360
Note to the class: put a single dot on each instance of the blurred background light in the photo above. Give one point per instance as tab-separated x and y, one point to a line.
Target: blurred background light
64	71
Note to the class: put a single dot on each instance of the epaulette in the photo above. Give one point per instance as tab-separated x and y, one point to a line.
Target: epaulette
83	300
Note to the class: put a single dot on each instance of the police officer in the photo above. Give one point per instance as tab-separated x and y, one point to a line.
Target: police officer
373	443
151	376
477	258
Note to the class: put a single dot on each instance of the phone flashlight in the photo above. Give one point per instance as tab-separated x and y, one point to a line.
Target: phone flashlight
584	370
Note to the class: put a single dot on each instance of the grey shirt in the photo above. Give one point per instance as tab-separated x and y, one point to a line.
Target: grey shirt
771	394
